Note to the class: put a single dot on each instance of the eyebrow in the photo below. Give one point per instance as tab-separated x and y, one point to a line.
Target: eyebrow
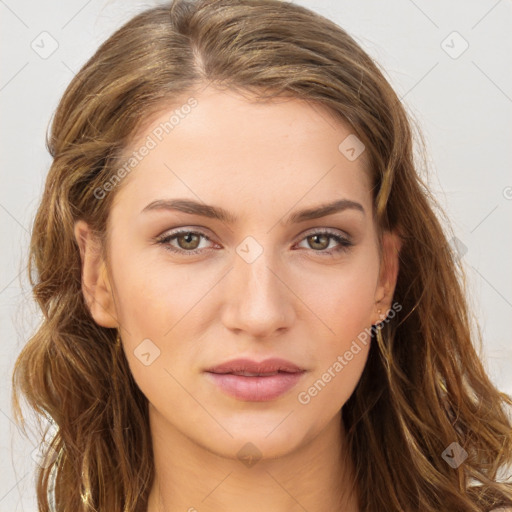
218	213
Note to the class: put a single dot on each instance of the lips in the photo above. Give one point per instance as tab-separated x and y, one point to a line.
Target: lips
254	381
252	368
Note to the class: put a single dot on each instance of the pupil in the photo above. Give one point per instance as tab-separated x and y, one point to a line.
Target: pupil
187	238
317	237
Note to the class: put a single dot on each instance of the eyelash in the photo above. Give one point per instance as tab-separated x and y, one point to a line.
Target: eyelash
344	246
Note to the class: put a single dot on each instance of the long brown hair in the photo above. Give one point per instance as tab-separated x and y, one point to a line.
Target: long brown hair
424	386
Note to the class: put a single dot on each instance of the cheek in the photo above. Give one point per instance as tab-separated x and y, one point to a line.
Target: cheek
338	359
158	308
327	390
343	296
345	305
150	297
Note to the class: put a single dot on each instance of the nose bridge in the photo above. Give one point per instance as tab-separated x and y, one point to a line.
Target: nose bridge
260	301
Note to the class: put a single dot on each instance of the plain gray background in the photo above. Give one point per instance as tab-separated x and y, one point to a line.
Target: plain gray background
461	97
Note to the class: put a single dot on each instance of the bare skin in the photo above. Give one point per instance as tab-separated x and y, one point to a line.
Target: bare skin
260	162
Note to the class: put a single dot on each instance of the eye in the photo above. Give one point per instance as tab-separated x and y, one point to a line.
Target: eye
320	240
188	242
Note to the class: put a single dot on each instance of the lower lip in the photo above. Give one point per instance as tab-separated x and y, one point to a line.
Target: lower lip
256	389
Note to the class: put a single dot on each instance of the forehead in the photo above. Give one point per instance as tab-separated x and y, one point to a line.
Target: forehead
220	144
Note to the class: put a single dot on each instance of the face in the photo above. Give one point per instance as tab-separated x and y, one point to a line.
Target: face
268	279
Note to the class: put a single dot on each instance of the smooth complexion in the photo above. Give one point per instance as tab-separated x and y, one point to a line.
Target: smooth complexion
260	163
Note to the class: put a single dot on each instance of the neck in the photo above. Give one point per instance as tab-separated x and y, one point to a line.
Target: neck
316	476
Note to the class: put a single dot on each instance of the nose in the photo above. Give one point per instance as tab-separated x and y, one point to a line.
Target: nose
259	302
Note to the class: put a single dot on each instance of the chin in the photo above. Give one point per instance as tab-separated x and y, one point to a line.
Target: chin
258	441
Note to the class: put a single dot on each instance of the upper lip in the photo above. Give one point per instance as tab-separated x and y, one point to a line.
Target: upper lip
247	366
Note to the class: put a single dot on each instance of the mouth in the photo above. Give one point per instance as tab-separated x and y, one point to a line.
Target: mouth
252	374
252	381
250	368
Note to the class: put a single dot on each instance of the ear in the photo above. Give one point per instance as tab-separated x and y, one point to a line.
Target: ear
388	274
95	281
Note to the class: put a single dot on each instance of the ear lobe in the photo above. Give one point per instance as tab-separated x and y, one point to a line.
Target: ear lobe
95	281
388	275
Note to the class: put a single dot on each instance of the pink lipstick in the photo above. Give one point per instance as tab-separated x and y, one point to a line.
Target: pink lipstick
253	381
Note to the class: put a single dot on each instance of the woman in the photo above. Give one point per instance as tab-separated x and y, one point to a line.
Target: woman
249	301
